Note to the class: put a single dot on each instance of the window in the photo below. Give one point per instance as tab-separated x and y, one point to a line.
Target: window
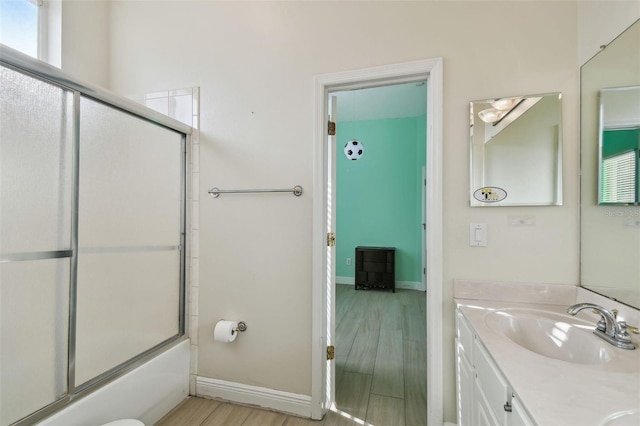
26	25
618	183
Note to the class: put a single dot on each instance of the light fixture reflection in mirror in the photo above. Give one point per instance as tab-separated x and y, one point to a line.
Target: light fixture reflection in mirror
499	109
516	150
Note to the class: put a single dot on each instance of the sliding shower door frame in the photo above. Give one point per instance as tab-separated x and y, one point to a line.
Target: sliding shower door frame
24	64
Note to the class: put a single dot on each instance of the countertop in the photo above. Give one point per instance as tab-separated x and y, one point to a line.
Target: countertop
557	392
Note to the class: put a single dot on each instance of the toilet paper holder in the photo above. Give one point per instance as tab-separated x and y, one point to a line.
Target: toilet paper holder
242	326
227	331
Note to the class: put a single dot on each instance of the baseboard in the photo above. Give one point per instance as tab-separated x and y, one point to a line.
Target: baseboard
410	285
299	405
407	285
346	280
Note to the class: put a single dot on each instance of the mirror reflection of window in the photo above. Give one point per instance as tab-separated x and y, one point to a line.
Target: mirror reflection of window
619	178
619	124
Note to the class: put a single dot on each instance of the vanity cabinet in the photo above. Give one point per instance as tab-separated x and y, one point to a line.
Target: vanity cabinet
484	395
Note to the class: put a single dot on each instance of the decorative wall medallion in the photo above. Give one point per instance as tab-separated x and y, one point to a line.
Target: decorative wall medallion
490	194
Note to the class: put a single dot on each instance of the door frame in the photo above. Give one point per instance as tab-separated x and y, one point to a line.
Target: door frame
430	70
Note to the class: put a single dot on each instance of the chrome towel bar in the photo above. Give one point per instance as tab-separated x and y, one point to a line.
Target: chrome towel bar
215	192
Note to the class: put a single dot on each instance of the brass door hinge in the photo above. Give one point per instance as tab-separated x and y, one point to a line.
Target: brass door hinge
331	352
331	128
331	239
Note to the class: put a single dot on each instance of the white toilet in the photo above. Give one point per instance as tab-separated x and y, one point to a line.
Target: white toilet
124	422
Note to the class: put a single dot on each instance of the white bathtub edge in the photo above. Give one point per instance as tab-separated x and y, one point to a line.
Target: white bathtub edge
146	393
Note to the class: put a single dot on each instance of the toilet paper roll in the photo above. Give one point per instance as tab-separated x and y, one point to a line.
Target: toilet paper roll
225	331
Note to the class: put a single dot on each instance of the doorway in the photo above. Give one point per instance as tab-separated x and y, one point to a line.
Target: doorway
380	335
324	257
380	154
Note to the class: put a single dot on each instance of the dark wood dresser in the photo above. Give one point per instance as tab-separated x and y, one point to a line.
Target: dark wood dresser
375	268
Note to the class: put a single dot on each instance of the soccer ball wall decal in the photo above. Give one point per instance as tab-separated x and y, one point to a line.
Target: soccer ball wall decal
353	149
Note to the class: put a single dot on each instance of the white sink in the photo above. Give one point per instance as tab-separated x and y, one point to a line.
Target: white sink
623	418
550	334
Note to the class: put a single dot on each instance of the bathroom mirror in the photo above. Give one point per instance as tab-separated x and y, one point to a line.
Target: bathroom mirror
516	151
609	229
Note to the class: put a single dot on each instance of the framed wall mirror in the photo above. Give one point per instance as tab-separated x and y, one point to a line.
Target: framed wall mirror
516	151
609	209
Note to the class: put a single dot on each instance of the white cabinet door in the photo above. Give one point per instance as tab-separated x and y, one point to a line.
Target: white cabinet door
464	387
482	412
518	417
491	381
465	335
484	396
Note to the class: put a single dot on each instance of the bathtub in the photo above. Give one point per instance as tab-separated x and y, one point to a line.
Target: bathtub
146	393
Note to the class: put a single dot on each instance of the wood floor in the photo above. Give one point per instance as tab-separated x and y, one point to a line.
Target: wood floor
381	369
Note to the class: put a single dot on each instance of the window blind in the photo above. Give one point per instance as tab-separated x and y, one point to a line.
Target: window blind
618	178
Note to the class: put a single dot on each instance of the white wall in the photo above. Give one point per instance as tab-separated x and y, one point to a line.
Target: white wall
599	22
255	64
85	40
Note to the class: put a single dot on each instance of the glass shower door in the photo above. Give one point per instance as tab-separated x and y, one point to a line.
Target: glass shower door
129	240
36	167
92	237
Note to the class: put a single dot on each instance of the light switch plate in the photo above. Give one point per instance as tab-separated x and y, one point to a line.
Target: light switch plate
478	234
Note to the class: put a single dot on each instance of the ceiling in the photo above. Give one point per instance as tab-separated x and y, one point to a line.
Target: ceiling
375	103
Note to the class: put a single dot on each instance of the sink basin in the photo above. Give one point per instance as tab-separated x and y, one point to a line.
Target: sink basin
550	334
623	418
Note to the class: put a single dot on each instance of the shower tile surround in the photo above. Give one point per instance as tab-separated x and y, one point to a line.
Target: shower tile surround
184	106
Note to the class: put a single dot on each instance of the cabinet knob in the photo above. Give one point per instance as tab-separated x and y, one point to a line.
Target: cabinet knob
507	407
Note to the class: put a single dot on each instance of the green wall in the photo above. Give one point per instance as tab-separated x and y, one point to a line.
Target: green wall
615	142
379	196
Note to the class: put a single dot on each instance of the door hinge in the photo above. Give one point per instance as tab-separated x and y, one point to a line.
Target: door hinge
331	239
331	352
331	128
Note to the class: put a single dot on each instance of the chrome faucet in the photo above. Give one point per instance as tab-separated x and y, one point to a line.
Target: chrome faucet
608	328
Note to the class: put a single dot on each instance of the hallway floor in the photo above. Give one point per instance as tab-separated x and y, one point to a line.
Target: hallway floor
381	369
381	356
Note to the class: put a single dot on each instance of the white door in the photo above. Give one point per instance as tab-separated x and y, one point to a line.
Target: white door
331	250
423	229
